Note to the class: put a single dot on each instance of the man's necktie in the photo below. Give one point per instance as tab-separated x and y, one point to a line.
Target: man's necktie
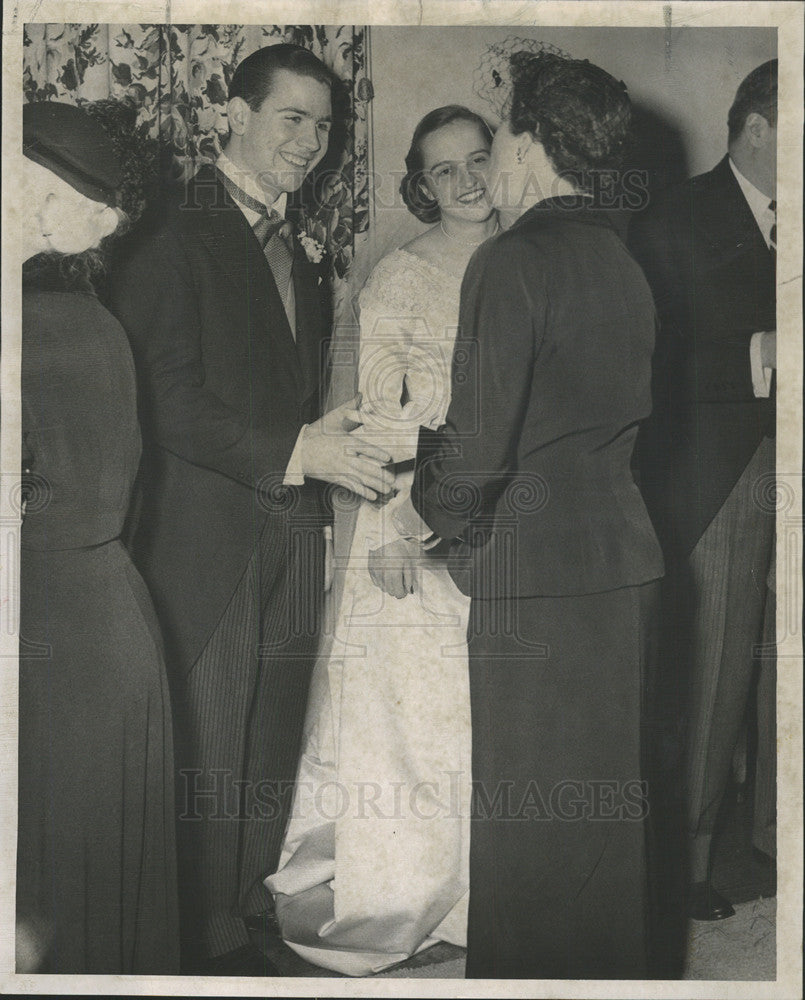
274	235
773	231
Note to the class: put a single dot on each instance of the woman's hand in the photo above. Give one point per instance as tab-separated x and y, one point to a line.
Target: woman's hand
394	567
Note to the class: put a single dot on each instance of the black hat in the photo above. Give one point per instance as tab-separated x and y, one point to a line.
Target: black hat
67	141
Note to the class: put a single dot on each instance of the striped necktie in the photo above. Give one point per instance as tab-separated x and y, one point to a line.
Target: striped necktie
773	230
274	235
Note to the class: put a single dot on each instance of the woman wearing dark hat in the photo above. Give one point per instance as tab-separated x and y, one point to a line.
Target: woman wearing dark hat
555	545
96	878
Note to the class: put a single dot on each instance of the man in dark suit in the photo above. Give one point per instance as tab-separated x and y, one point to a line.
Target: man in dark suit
227	319
708	250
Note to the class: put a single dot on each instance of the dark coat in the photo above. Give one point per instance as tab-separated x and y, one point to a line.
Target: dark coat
96	846
713	279
551	377
224	393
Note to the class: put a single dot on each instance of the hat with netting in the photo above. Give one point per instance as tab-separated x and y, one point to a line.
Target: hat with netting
492	80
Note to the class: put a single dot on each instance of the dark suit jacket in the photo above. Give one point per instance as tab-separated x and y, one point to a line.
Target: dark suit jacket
551	376
224	393
713	279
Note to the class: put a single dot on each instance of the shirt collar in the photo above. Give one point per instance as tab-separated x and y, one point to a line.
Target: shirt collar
247	183
757	201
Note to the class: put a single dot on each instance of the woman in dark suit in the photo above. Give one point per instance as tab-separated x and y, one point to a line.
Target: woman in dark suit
553	542
96	864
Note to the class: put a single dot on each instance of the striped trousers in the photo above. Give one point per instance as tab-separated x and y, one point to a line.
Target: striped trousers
239	717
727	571
764	831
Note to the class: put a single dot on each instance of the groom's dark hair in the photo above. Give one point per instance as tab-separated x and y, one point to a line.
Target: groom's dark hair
254	76
417	198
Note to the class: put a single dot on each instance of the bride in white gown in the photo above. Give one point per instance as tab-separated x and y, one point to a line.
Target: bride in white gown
375	861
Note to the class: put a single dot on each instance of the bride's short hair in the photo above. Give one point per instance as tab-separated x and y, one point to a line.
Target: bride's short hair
414	192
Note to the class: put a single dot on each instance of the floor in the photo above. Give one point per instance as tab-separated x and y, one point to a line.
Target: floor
740	948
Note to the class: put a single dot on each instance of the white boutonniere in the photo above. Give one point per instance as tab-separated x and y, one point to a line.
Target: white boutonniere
312	234
315	251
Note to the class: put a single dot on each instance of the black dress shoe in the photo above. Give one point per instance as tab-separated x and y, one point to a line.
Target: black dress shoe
244	961
704	903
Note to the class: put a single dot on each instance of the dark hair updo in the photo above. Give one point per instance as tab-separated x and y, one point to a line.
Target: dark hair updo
412	188
580	114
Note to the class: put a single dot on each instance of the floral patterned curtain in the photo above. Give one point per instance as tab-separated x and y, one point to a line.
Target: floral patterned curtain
178	75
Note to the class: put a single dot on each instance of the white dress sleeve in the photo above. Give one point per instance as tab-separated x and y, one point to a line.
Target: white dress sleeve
401	366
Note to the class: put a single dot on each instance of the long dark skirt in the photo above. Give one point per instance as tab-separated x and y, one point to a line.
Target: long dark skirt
96	859
558	861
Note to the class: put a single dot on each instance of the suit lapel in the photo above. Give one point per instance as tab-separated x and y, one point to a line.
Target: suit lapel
308	320
235	250
726	220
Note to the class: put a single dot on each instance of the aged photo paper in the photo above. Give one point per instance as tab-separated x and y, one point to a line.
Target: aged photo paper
399	59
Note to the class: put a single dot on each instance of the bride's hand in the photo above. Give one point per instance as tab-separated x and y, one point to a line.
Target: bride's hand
394	567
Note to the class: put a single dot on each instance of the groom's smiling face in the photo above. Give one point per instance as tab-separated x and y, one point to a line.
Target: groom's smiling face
287	136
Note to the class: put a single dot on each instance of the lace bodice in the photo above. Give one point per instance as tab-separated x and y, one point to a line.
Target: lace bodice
409	316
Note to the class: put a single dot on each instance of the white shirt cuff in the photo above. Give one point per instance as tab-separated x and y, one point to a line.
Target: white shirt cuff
761	377
293	474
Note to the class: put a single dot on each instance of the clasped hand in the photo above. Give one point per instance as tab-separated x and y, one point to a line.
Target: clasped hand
394	567
332	450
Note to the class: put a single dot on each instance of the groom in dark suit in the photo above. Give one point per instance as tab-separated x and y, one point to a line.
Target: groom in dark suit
708	249
227	319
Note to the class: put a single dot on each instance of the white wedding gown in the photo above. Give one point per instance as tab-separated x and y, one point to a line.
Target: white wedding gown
375	861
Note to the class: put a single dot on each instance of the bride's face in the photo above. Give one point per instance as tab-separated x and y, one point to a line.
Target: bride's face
455	158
